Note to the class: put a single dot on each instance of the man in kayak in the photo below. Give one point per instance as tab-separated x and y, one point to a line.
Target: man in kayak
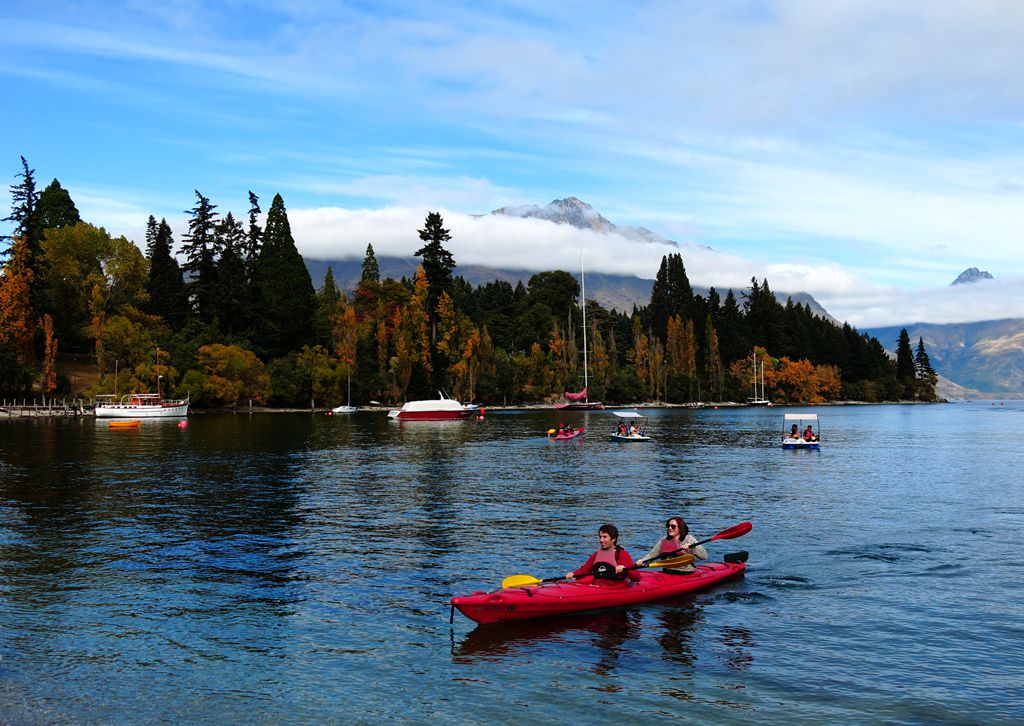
677	540
610	554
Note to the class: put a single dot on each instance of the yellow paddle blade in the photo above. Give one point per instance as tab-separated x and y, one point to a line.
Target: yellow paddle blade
519	581
677	561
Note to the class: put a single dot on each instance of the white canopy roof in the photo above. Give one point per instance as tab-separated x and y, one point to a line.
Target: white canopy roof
801	417
628	414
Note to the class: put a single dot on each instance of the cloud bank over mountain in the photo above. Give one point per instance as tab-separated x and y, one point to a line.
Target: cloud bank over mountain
498	240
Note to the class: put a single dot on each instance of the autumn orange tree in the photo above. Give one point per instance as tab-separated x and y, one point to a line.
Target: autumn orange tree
17	327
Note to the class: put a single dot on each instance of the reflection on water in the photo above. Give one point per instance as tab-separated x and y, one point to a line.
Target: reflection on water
298	567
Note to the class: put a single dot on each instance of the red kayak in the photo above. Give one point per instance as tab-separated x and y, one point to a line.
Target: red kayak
589	593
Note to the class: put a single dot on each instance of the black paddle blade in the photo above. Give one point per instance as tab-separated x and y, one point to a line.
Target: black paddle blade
736	557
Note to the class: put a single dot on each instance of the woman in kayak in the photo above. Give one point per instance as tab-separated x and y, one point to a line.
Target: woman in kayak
677	540
610	554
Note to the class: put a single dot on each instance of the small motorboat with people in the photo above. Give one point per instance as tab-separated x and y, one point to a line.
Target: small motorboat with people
801	433
523	597
436	409
140	405
632	426
565	432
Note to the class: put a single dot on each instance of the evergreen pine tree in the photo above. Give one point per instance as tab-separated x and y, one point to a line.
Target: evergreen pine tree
371	272
905	373
284	290
671	295
925	374
253	237
438	263
328	306
24	200
165	285
56	209
232	285
201	250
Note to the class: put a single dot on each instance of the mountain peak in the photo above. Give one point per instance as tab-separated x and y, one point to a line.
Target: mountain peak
972	274
571	210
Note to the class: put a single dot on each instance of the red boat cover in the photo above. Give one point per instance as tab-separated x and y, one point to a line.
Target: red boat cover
576	396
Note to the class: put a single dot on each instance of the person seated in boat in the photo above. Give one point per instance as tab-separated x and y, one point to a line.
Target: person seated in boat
809	434
569	429
794	432
560	431
621	430
677	541
611	554
633	430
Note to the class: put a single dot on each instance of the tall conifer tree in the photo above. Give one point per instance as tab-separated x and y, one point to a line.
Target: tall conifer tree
233	299
925	374
165	285
371	271
284	290
438	263
905	372
201	249
56	209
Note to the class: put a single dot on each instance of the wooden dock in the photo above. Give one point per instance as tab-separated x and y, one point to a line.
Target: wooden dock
45	408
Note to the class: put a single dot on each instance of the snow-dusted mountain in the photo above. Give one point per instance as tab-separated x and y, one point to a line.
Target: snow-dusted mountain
972	274
579	214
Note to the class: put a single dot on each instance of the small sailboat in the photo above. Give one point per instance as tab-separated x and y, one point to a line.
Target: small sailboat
348	407
580	401
758	398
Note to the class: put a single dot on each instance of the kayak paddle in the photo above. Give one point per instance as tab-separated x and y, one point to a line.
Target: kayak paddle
737	530
520	580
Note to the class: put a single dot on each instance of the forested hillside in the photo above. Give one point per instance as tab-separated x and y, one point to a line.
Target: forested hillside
239	319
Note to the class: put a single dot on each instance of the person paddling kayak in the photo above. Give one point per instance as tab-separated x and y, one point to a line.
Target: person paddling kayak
610	554
676	540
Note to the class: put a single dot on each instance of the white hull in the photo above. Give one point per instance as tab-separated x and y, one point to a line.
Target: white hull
344	409
118	410
142	405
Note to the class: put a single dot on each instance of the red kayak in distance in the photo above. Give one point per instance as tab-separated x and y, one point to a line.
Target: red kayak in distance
566	435
589	593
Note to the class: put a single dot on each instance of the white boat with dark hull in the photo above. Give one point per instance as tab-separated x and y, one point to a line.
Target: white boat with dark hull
141	405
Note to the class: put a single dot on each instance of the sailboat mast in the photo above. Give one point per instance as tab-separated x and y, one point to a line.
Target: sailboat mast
583	296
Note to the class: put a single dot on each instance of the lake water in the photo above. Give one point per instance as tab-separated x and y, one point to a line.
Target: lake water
297	568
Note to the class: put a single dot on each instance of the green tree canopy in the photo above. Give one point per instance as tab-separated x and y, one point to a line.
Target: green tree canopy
165	284
438	262
56	209
285	299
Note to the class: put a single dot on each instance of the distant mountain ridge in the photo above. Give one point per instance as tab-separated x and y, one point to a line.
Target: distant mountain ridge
986	358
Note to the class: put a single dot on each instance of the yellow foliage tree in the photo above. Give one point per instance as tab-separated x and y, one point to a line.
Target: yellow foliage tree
232	374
